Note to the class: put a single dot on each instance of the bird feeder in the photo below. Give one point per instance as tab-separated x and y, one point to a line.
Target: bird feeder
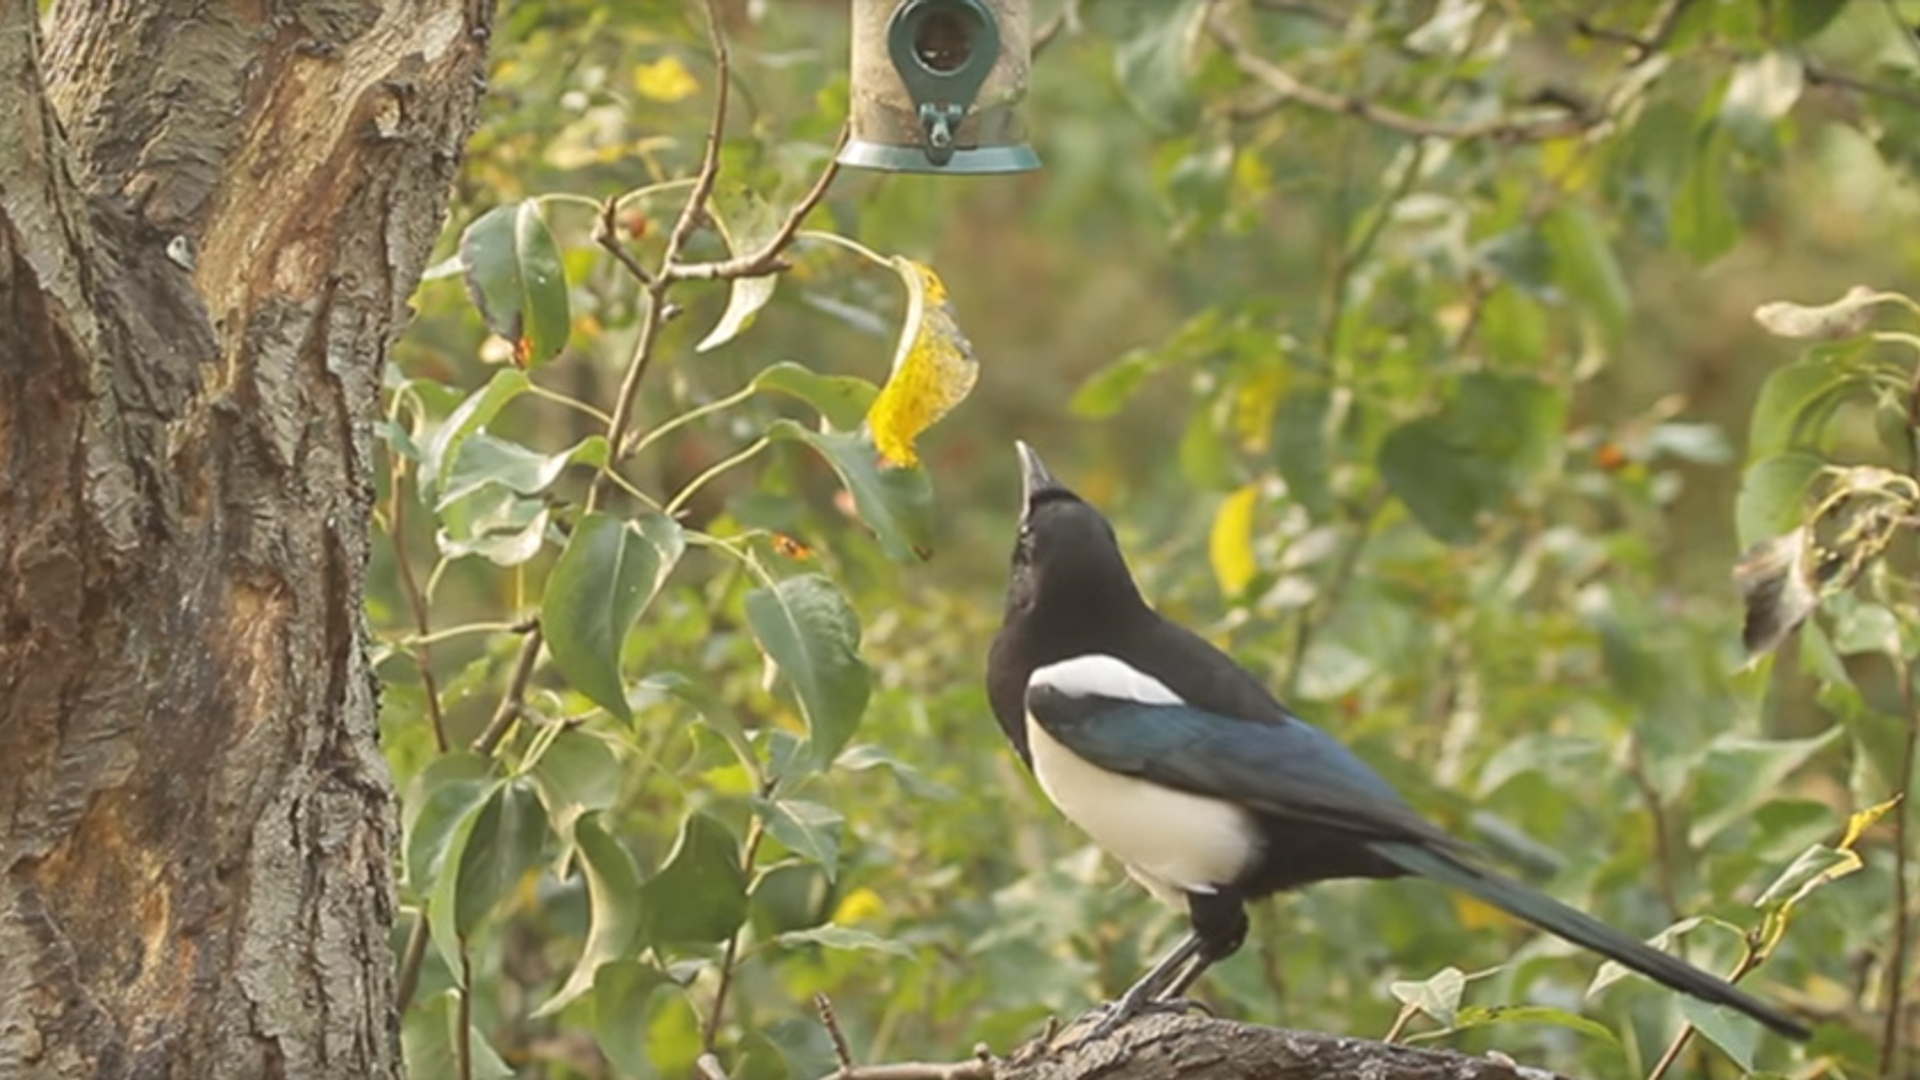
938	86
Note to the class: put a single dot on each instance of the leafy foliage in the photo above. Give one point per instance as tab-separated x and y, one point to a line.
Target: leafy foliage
1402	341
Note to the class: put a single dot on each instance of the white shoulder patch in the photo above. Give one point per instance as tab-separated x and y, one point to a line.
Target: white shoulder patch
1100	675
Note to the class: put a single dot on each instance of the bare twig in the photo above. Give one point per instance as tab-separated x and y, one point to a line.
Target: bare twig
710	1067
696	205
409	979
1820	75
974	1069
422	653
1659	31
766	258
1305	11
1286	90
1749	960
1048	31
511	702
1663	863
729	961
1890	1033
463	1006
838	1037
606	233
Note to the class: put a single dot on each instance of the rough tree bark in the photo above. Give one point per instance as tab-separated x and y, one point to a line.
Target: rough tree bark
1170	1047
211	217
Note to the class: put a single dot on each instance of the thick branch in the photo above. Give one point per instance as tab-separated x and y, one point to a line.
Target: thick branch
1177	1047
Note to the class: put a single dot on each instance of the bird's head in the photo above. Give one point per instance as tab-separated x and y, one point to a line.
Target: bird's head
1066	562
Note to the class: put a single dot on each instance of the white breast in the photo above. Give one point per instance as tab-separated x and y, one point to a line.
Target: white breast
1171	841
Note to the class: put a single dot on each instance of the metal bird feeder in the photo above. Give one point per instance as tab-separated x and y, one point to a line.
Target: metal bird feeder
938	86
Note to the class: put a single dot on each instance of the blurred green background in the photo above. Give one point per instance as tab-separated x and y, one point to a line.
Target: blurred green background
1442	434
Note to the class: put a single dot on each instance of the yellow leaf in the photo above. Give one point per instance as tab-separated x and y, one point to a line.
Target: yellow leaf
1477	914
1861	820
933	368
860	905
1230	545
666	79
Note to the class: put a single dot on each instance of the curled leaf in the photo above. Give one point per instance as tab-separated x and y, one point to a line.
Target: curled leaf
1779	587
1845	317
933	368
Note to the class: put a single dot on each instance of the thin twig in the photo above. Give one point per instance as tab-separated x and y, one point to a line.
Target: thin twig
422	653
766	258
511	702
710	1067
730	959
974	1069
606	233
1663	864
1749	960
1048	31
463	1040
1890	1033
832	1023
696	205
1287	90
409	979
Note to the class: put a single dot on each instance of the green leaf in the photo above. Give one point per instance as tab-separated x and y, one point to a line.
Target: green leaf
842	399
429	1048
577	774
1106	390
706	704
1478	1016
1797	20
515	279
1497	434
810	632
450	789
1738	774
745	227
443	899
896	503
625	995
1153	59
844	937
613	896
494	523
1585	264
790	895
1735	1034
1302	450
440	447
1438	996
504	845
1798	399
700	895
605	578
483	459
1773	496
1702	223
808	829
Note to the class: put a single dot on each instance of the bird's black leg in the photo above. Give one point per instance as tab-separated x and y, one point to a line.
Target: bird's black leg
1220	928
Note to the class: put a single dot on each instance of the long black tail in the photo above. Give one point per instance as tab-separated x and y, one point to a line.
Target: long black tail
1582	929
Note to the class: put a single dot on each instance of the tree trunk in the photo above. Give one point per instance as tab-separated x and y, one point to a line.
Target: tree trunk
211	217
1170	1047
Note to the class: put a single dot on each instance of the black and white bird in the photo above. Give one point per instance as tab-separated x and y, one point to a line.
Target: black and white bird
1179	763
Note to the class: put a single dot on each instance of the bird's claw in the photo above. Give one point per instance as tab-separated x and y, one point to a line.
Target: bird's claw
1114	1015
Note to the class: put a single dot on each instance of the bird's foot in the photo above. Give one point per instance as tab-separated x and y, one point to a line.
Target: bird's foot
1111	1016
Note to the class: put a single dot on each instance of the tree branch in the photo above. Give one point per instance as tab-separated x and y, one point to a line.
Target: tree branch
1169	1047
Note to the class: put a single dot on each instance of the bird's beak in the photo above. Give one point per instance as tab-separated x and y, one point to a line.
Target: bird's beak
1034	477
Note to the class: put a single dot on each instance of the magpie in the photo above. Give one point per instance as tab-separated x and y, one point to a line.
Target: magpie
1178	762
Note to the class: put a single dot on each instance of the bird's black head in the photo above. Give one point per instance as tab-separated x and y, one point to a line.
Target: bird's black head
1067	565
